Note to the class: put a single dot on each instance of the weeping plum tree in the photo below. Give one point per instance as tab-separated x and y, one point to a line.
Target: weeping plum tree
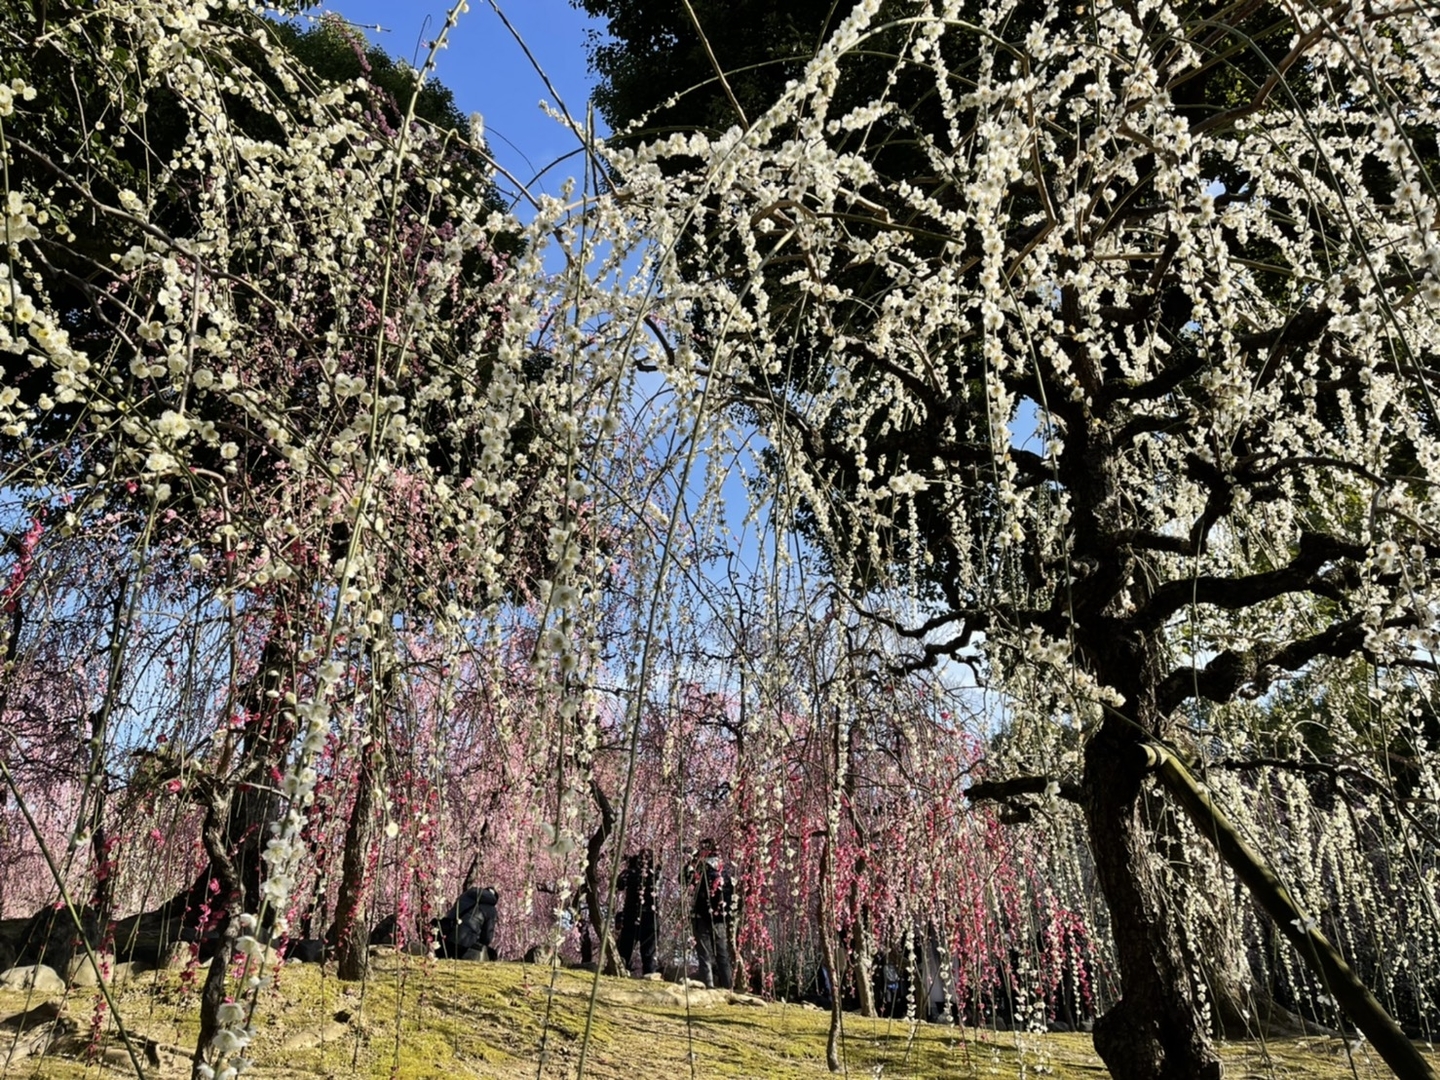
238	465
270	342
1108	336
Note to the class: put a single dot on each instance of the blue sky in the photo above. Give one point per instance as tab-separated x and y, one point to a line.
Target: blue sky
489	72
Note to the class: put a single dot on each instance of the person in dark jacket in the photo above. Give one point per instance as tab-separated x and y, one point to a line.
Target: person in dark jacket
467	930
711	893
638	922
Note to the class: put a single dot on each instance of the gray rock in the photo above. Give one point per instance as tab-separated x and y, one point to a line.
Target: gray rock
38	977
49	938
129	971
306	951
36	1031
177	957
268	958
746	999
82	972
330	1032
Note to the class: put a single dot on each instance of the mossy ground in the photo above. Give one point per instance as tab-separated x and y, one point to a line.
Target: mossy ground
414	1020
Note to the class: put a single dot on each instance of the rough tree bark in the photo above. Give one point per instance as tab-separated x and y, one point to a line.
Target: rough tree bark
1157	1030
245	768
609	955
860	948
217	800
350	932
254	803
830	951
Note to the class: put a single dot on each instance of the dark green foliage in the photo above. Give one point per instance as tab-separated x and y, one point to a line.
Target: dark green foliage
98	128
93	133
654	53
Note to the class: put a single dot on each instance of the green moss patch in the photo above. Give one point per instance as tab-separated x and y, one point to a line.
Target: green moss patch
417	1020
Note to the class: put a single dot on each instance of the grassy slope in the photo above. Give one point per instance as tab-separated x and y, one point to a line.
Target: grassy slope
502	1021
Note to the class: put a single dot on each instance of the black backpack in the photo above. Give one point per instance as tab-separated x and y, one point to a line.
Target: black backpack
713	894
469	924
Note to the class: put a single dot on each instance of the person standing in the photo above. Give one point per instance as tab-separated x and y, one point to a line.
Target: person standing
711	894
638	921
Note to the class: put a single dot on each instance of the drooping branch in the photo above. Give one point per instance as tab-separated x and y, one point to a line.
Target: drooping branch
1338	771
1299	929
149	229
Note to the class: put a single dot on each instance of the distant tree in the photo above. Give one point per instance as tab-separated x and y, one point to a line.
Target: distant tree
656	69
236	413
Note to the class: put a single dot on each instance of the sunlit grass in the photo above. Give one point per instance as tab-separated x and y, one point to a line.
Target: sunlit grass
414	1020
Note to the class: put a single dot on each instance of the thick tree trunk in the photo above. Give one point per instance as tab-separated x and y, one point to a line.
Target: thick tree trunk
859	958
252	807
253	803
837	1019
1157	1029
351	932
264	746
831	954
739	970
609	958
864	968
218	808
861	952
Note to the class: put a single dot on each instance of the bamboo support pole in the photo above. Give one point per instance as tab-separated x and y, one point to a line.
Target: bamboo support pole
1399	1052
